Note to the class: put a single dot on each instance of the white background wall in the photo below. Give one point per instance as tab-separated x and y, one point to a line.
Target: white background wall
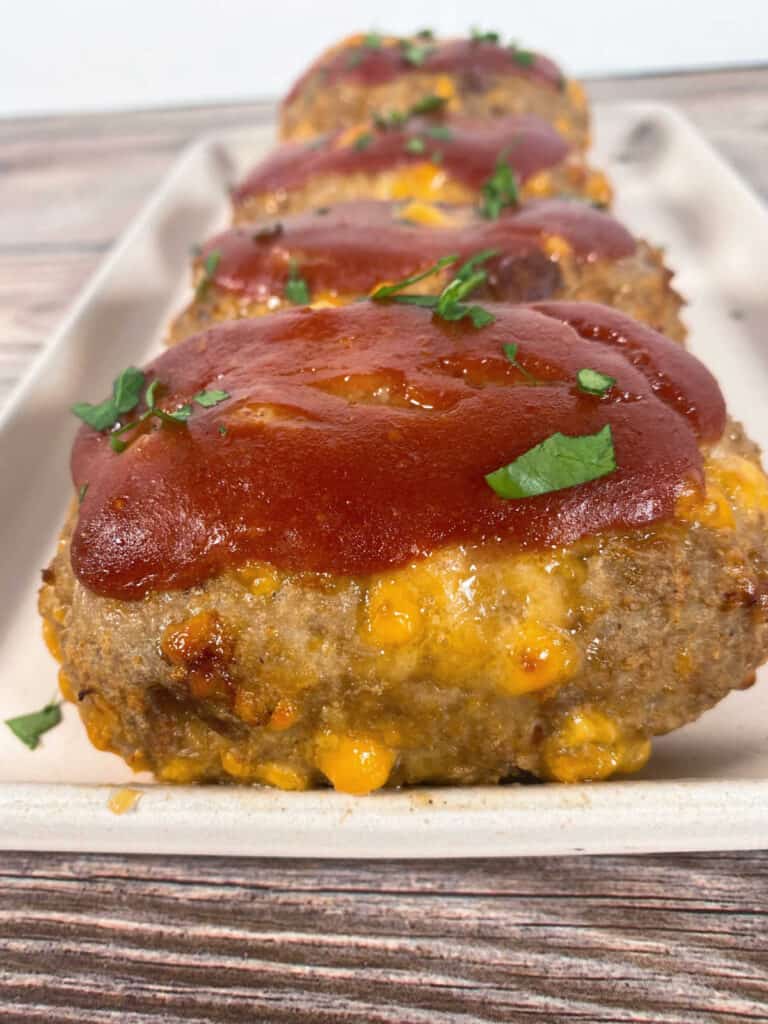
97	54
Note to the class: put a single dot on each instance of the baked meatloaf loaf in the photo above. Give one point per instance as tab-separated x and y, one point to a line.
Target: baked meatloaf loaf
394	543
490	164
478	76
333	256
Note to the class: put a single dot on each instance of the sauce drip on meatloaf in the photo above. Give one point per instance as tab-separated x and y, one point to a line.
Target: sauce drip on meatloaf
356	439
471	58
467	149
354	246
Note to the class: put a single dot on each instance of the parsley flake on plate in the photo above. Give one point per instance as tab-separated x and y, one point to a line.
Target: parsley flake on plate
296	288
594	383
555	464
29	728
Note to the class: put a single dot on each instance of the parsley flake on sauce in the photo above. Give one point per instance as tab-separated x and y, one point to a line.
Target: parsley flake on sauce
439	131
414	54
81	493
388	291
510	351
296	288
500	190
29	728
447	305
126	390
484	37
427	105
524	58
594	383
363	141
210	266
415	145
555	464
210	398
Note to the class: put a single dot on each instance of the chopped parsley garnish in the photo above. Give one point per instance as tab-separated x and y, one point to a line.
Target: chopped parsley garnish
523	57
414	54
29	728
395	119
448	304
363	141
322	210
126	391
81	493
436	156
180	415
500	190
556	463
484	37
373	41
222	430
427	105
594	382
210	398
388	291
415	145
268	232
296	288
439	131
425	33
510	351
210	266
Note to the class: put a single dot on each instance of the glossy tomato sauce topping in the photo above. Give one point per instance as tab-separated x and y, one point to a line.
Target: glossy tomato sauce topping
468	151
470	59
358	438
351	248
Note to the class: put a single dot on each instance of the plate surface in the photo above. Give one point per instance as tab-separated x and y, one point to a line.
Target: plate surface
706	787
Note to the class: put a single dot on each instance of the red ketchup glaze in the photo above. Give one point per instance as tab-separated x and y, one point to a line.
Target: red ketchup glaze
355	246
472	60
469	156
348	483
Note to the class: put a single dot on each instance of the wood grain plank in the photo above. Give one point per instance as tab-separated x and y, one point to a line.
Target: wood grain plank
97	938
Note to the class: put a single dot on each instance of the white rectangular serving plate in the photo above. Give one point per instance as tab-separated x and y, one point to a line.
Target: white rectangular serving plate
706	787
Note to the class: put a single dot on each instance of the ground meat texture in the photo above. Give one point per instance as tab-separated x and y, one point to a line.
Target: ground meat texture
545	249
433	158
353	80
469	666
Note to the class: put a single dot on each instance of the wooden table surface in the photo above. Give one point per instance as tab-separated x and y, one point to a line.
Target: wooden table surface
172	939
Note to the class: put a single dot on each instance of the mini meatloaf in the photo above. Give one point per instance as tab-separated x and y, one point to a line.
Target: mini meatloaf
545	249
450	160
372	546
478	76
